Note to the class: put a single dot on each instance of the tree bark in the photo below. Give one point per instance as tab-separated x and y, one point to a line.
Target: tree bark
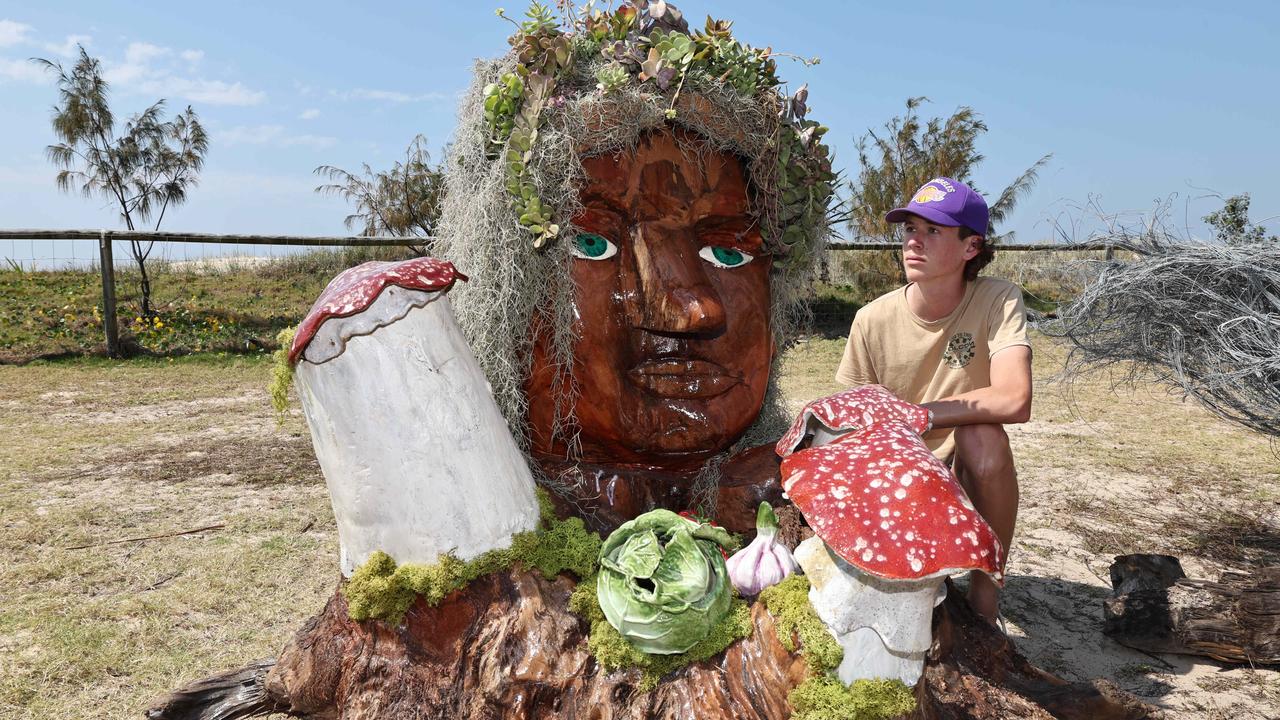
507	647
1234	620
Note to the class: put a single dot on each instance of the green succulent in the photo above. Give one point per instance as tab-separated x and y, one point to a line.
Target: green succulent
805	180
612	77
652	42
746	68
603	26
539	20
670	55
501	103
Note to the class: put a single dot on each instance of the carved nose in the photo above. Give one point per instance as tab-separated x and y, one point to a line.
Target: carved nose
673	293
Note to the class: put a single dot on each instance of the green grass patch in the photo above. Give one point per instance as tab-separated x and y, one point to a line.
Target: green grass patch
198	308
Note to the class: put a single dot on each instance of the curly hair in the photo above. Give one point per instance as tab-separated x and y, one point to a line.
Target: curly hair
986	253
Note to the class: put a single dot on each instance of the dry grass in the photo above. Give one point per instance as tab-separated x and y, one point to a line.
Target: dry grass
99	453
96	452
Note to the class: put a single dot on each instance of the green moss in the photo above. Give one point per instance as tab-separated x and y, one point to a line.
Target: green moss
823	697
281	373
380	590
613	652
373	592
584	602
566	545
826	698
788	602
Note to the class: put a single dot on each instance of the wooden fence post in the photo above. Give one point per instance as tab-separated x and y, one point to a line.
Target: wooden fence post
108	295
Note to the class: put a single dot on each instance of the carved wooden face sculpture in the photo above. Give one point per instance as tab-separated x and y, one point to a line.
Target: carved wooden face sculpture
672	310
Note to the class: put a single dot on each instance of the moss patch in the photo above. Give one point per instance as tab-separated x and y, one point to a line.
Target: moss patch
826	698
613	652
823	697
380	590
788	602
281	373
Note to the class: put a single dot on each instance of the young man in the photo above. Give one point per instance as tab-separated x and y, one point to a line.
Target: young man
957	344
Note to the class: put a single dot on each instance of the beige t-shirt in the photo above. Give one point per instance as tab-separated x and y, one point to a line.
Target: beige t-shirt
922	361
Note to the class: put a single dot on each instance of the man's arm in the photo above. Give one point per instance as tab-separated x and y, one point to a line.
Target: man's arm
1006	401
856	367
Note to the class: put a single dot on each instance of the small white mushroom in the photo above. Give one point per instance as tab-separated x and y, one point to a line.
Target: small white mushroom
883	625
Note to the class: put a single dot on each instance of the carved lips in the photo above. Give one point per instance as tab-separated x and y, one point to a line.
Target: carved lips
682	378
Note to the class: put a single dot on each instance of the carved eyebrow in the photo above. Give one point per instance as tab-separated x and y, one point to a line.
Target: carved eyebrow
609	200
739	227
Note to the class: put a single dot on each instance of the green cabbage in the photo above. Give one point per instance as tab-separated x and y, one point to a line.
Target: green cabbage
663	583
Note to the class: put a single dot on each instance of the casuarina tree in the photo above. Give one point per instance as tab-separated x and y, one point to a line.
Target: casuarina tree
143	168
911	152
1231	224
403	201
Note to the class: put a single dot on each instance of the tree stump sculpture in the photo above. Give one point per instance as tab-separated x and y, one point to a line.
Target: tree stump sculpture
628	328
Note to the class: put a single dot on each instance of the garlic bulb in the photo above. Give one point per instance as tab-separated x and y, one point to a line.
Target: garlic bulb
765	561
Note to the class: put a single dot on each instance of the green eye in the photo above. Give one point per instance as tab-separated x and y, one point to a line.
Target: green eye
724	257
590	246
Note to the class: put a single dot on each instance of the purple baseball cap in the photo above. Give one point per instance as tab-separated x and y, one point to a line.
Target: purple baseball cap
944	201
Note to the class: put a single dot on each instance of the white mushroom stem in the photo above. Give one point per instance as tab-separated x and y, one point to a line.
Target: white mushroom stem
883	625
418	459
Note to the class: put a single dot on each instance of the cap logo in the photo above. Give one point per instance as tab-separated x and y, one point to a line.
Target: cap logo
928	194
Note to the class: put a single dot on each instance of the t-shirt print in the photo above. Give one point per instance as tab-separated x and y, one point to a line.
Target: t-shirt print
959	350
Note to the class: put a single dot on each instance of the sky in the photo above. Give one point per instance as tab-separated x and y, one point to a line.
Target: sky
1140	103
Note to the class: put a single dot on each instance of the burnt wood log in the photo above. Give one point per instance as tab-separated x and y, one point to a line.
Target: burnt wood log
507	647
228	696
1233	620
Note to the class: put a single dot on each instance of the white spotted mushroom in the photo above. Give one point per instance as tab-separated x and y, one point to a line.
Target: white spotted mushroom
418	459
891	522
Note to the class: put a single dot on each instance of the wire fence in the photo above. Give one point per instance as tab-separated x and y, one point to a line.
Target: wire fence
853	272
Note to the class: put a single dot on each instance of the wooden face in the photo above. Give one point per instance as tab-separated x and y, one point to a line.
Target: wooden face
672	310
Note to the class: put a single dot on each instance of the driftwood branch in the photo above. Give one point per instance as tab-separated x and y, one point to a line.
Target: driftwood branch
1233	620
144	538
231	695
1204	319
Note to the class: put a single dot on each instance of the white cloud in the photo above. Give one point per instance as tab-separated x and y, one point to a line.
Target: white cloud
274	135
210	92
23	71
151	69
13	33
388	95
68	47
309	114
142	53
394	96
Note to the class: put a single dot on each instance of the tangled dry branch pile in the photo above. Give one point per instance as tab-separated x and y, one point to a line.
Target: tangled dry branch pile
1202	318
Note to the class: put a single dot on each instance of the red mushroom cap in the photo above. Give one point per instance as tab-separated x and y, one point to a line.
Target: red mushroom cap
852	410
355	289
881	500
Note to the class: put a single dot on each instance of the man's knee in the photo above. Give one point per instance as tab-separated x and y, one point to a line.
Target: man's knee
983	450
